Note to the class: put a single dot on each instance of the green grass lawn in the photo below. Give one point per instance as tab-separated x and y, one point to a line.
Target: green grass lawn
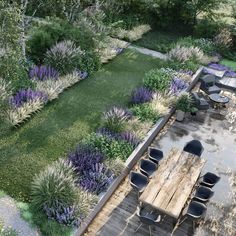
56	130
229	63
159	40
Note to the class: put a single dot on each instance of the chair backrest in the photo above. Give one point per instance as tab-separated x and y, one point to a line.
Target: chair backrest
146	218
136	178
203	193
196	209
195	147
208	80
155	151
210	179
147	164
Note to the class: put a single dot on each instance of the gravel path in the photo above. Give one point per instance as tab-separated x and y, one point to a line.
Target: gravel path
149	52
10	216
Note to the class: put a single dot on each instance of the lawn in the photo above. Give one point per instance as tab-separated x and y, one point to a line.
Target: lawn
159	40
229	63
60	125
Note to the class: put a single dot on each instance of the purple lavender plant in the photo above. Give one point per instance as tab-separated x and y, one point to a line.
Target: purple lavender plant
127	136
63	214
141	95
177	85
82	74
217	66
130	138
25	96
43	73
97	179
230	73
84	157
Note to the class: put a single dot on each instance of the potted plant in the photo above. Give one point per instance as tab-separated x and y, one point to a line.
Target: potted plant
183	105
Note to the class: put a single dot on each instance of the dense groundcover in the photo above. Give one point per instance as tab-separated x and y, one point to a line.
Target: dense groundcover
56	129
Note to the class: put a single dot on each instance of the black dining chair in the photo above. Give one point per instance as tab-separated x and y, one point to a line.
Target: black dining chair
194	147
208	84
209	179
203	194
196	211
155	154
147	218
138	181
147	167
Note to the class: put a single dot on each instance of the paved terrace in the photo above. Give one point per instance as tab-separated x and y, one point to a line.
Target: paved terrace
218	136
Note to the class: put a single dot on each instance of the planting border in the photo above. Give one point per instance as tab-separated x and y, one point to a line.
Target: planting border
133	159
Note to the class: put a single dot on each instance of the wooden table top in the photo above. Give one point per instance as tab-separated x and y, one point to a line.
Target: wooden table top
173	182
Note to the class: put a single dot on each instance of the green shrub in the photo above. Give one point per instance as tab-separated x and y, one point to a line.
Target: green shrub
55	183
144	112
207	28
45	36
184	102
111	148
157	80
206	45
188	65
89	61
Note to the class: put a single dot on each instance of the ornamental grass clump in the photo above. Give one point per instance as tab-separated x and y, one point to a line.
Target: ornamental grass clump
141	95
42	73
54	184
184	102
27	96
157	80
115	118
64	57
97	179
183	54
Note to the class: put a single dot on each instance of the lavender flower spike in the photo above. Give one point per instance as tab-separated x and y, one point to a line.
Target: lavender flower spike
43	73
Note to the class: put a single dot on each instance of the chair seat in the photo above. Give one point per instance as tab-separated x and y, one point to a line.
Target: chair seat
203	193
155	155
196	209
214	89
147	167
210	179
138	181
194	147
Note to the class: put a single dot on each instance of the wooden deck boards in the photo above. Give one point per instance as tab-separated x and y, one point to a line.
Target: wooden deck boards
118	217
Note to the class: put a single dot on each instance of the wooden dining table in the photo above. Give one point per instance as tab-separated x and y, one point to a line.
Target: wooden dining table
173	182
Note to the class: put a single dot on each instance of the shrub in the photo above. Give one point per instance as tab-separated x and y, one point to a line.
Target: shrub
54	184
144	112
97	179
114	119
43	73
84	157
56	30
183	54
157	80
141	95
64	57
112	148
27	96
206	45
177	85
184	102
89	61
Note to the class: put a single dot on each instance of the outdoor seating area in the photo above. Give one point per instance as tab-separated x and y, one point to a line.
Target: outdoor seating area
185	189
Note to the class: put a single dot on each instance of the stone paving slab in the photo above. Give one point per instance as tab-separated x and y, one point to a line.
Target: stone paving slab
149	52
10	215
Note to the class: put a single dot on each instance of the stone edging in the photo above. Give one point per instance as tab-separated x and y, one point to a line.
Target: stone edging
132	160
